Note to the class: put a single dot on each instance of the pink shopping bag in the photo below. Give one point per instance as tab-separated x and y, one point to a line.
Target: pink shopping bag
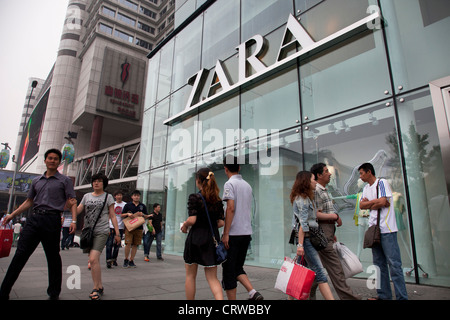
295	279
6	239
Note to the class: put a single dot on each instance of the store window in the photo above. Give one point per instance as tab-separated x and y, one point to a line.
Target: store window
427	187
343	143
347	75
415	32
262	104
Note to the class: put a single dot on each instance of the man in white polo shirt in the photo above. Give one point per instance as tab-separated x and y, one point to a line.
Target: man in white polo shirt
377	195
237	231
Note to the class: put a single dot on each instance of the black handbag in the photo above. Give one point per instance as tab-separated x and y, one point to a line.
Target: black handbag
372	237
87	234
221	251
317	237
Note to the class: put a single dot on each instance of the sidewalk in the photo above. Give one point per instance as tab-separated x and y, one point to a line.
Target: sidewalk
157	280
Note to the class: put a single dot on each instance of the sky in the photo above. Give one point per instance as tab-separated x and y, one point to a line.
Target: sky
30	31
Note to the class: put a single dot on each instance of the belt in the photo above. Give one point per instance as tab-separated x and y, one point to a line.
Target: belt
46	212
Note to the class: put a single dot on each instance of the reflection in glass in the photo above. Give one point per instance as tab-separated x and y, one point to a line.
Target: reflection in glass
415	32
180	183
160	135
187	53
348	75
146	140
427	187
220	32
263	16
165	71
261	104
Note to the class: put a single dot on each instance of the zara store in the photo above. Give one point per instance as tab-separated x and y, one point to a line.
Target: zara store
284	84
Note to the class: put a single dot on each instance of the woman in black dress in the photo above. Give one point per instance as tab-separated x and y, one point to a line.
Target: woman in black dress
199	248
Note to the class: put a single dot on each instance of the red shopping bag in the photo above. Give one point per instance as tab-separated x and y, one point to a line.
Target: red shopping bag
295	279
6	239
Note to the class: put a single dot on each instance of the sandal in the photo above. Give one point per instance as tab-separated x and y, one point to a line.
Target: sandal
374	298
95	295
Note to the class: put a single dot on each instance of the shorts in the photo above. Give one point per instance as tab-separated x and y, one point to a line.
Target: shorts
99	243
234	266
133	237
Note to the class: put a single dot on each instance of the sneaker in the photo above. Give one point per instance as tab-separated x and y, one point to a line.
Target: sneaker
125	263
108	264
257	296
146	259
161	258
131	264
114	263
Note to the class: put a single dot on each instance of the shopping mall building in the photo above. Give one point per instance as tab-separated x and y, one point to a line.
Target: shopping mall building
289	83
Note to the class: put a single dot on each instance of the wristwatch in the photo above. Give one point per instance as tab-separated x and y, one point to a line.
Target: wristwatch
300	245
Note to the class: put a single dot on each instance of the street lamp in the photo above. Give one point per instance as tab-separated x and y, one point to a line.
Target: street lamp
17	162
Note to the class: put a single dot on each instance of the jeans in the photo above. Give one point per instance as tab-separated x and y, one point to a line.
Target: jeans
67	238
148	240
387	258
314	262
112	249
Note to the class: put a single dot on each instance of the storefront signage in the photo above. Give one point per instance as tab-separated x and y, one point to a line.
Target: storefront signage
122	85
295	34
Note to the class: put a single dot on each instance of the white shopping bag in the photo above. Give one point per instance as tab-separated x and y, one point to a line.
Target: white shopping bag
350	262
294	279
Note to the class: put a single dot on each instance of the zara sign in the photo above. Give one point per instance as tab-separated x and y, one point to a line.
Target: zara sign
294	35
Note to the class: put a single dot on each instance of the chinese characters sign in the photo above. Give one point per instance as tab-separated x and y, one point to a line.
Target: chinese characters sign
122	85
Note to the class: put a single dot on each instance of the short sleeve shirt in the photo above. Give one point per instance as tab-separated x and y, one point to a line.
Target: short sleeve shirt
92	206
118	208
132	208
240	191
388	222
51	193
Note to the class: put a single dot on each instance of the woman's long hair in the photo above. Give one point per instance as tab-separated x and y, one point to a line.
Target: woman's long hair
210	190
302	186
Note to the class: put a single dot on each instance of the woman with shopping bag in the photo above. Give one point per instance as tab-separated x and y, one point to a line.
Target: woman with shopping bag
302	199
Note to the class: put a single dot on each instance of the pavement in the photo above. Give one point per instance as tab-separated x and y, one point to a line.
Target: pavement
159	280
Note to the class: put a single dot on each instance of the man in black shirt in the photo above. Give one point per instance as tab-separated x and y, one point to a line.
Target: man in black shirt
133	238
155	221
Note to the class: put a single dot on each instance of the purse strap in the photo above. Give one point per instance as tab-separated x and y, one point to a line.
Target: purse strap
379	210
209	219
100	213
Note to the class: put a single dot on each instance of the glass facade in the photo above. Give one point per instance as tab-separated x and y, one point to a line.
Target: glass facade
362	98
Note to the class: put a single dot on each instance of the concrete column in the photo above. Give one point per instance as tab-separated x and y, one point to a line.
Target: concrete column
96	135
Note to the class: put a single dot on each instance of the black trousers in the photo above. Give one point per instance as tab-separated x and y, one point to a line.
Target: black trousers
234	266
38	228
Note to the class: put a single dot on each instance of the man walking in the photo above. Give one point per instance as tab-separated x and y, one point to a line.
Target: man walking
377	195
237	231
48	195
328	220
155	221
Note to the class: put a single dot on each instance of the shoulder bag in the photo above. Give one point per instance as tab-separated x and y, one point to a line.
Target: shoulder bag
221	251
317	237
87	234
372	237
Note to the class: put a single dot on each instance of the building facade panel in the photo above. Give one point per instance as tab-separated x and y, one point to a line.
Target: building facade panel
341	82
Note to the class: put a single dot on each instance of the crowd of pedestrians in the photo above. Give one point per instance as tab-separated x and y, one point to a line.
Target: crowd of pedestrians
52	197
